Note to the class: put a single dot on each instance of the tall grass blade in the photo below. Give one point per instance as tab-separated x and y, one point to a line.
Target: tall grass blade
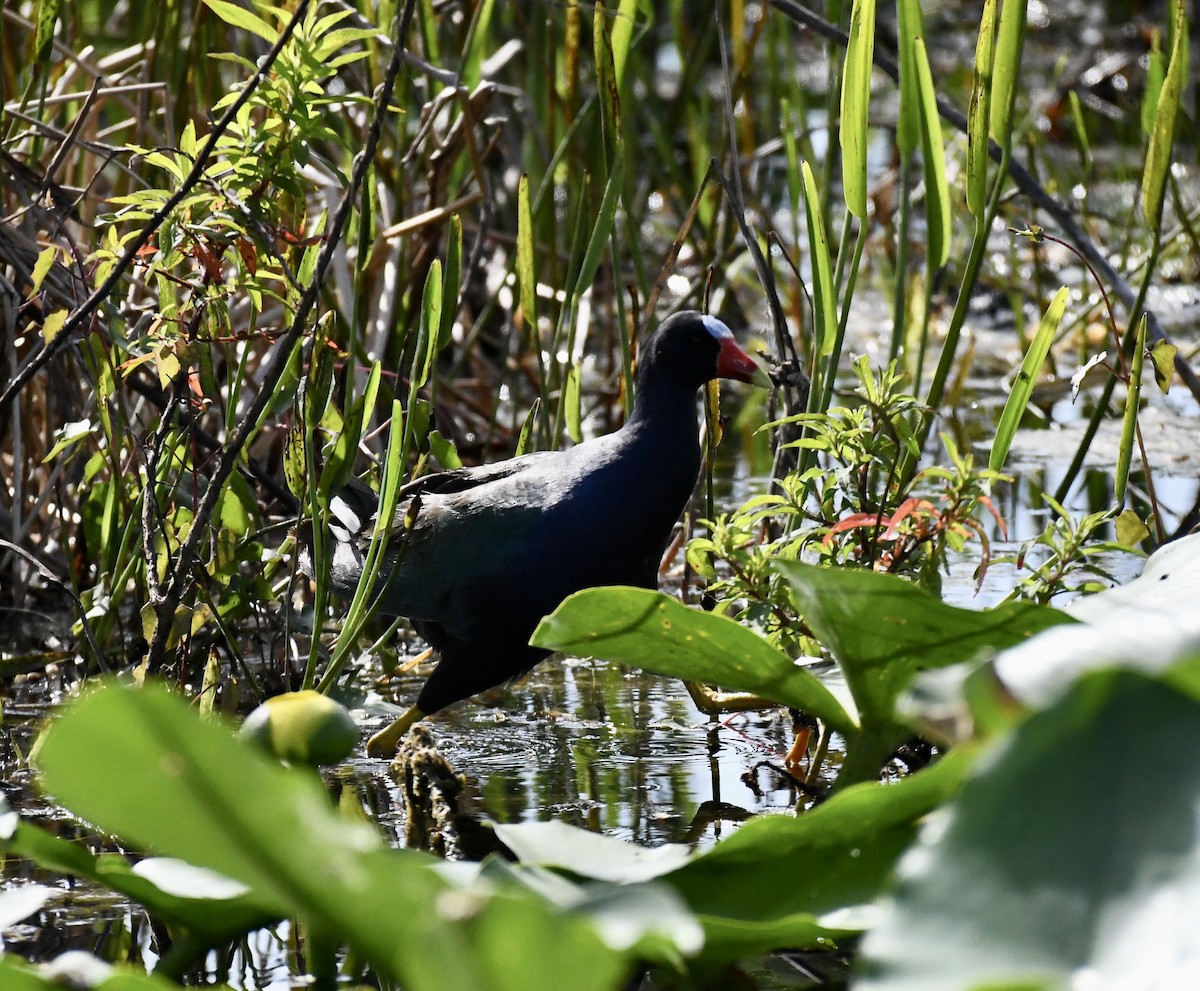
856	100
1006	69
1129	425
824	315
908	123
1158	155
1022	387
979	112
622	35
1156	74
937	189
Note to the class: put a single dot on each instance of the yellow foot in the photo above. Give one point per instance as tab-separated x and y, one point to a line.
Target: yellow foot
386	742
714	703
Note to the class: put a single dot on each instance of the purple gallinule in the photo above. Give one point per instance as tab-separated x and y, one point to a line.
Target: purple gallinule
494	549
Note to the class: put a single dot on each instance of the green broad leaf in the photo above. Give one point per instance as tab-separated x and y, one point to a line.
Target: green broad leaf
240	17
1130	529
208	919
53	324
660	634
855	106
202	796
647	918
1022	386
1162	358
1065	855
76	969
1150	624
442	448
822	865
1162	137
823	291
588	854
883	631
1133	399
238	508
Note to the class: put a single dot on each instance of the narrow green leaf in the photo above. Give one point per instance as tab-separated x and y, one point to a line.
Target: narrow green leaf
1158	155
937	189
572	403
526	277
1006	69
855	106
70	434
345	448
450	283
240	17
824	315
43	36
1129	424
431	322
604	224
526	435
607	86
1022	386
1156	72
479	43
979	113
622	34
908	124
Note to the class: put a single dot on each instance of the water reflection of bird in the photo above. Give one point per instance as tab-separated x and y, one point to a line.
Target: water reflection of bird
491	550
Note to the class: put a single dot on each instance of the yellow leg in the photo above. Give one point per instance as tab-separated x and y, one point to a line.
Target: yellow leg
799	750
715	703
386	742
